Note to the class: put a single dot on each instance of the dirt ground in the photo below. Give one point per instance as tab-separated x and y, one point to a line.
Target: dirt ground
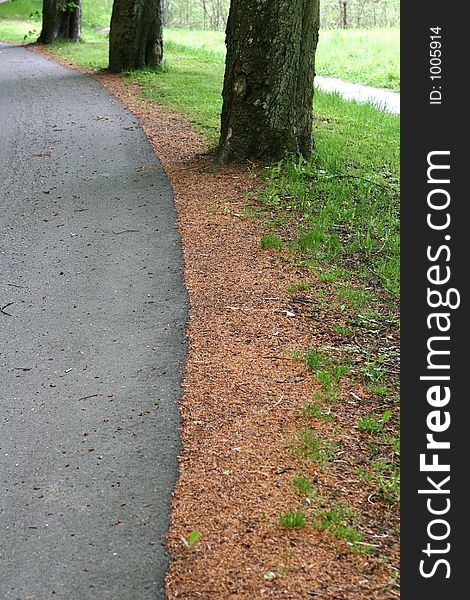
243	399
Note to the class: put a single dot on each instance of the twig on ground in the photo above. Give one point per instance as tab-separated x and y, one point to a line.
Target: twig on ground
2	310
91	396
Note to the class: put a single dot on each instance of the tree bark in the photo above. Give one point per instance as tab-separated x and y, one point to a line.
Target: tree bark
136	35
61	20
268	84
343	9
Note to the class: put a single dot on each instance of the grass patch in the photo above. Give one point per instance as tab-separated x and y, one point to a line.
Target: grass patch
91	52
385	476
383	470
17	31
306	444
314	409
271	240
298	287
348	197
21	10
374	370
303	486
331	275
337	519
370	423
293	519
95	13
342	330
327	371
368	56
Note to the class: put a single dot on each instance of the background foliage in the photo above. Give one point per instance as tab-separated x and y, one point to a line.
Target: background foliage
212	14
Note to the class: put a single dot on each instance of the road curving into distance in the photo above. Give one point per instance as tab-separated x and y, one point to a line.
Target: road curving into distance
92	341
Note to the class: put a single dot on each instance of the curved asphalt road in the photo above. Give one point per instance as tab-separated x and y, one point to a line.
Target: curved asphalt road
92	341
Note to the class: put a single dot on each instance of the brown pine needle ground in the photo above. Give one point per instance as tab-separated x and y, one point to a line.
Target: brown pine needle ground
242	406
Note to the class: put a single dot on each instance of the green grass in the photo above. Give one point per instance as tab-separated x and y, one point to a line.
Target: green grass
383	467
298	287
369	56
316	410
327	371
385	475
293	519
188	84
18	31
337	521
303	485
271	240
21	10
306	444
370	423
95	13
347	194
374	370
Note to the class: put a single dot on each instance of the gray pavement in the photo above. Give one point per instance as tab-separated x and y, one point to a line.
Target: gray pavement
92	341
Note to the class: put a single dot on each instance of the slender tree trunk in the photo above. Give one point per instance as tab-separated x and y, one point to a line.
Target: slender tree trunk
269	73
204	13
61	20
136	35
165	12
343	8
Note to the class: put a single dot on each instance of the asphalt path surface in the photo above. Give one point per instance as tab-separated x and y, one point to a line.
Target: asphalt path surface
92	341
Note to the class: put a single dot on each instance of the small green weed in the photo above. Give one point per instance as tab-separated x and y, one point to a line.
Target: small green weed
304	486
307	445
314	359
331	275
356	298
298	287
342	330
329	395
337	521
370	423
375	370
393	441
386	476
314	409
379	390
293	519
271	240
328	372
192	538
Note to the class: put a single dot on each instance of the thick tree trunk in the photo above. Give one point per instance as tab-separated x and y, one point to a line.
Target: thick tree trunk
269	73
136	35
61	20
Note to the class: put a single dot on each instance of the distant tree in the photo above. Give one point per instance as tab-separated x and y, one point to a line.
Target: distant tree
343	14
268	84
166	12
359	13
61	20
206	14
136	34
